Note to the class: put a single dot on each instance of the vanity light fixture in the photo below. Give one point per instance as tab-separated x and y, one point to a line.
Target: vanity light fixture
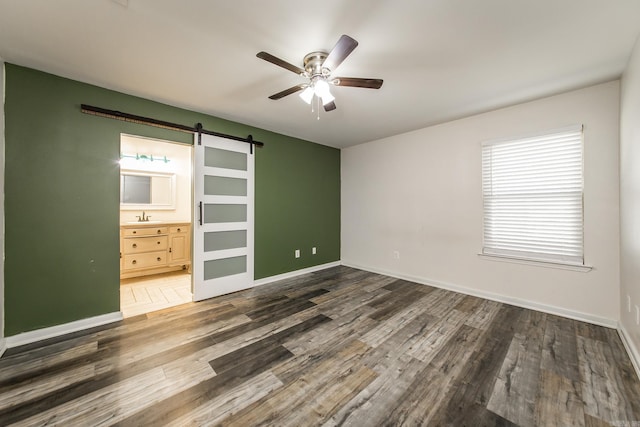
144	157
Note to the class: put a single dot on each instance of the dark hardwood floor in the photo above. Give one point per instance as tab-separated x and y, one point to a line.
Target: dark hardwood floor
337	347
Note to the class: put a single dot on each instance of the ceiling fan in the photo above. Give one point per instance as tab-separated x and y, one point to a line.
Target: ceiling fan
318	67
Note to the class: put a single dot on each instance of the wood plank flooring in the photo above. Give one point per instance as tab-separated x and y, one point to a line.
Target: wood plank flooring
336	347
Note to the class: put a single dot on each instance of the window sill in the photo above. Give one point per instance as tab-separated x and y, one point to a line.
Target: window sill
545	264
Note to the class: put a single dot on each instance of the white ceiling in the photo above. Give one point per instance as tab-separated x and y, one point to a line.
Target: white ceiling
440	59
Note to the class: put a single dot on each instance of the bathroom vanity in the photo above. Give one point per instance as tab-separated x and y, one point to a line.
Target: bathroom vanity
154	247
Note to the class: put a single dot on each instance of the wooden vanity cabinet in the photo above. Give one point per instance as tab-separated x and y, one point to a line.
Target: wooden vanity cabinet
153	248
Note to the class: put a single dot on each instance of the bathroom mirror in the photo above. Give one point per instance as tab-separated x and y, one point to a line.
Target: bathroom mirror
147	190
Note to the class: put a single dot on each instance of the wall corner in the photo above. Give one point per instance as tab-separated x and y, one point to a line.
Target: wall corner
2	92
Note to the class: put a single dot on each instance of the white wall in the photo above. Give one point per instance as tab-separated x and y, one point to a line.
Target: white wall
419	193
2	342
630	200
180	164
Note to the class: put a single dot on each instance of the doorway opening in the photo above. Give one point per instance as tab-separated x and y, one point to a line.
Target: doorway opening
156	187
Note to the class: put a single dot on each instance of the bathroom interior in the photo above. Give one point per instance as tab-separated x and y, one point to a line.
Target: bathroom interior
155	224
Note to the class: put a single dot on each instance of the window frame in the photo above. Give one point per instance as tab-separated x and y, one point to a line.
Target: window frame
493	252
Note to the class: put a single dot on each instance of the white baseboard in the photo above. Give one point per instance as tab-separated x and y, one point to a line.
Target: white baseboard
3	346
571	314
295	273
58	330
632	350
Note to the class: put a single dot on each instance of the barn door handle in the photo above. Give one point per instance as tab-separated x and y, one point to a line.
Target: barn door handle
200	220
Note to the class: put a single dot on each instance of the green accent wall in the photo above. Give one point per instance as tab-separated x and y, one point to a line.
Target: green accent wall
62	197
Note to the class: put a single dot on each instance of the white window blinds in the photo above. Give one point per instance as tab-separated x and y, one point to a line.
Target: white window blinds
532	195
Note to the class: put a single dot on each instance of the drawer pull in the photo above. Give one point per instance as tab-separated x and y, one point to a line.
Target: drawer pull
178	230
158	242
134	232
134	262
159	231
159	259
135	245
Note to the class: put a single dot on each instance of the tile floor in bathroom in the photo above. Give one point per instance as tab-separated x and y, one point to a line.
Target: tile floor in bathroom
151	293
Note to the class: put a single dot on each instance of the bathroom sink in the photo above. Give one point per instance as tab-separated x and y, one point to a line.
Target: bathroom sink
144	222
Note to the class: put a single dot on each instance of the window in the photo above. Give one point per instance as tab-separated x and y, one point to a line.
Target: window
532	194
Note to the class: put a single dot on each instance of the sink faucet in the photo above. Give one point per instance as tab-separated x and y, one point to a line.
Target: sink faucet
143	218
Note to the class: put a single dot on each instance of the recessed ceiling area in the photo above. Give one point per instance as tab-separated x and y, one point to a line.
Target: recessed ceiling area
440	59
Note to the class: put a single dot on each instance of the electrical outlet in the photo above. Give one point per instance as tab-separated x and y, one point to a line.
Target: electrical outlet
396	254
297	253
313	250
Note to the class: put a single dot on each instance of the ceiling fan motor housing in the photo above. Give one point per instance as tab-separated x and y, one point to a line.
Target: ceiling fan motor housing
313	64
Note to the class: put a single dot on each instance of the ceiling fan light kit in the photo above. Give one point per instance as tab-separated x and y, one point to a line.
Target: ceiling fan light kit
318	67
307	94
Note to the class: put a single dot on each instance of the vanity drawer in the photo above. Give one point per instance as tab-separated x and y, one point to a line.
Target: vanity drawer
145	231
134	245
179	229
148	259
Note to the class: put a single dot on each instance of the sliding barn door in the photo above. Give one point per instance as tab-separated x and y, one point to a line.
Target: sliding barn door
223	217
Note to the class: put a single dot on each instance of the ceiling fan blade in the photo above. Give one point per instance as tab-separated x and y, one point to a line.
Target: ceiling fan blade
279	62
289	91
358	82
340	51
330	106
